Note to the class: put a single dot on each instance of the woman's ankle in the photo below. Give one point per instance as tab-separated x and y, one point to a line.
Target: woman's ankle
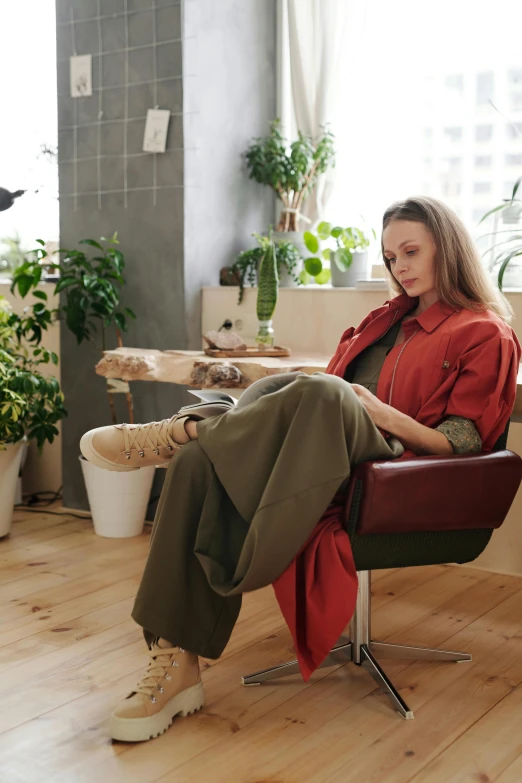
190	428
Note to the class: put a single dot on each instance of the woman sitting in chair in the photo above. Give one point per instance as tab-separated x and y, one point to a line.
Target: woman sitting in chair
432	371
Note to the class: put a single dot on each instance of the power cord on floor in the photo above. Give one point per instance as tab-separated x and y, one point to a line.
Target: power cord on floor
39	502
65	513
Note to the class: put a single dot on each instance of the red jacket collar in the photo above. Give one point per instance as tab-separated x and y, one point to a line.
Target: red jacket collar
430	318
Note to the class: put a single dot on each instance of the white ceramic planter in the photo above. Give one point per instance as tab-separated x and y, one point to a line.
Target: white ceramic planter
10	460
118	501
296	237
357	271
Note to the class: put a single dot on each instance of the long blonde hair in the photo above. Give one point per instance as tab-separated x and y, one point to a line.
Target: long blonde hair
460	277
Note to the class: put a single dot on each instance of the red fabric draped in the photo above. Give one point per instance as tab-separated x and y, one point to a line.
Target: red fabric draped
318	590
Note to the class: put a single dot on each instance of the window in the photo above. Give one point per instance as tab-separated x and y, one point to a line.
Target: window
513	160
452	163
29	126
453	134
516	101
425	123
483	132
514	130
478	214
485	87
454	81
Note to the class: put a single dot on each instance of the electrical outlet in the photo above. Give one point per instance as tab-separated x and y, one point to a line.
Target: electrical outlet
238	323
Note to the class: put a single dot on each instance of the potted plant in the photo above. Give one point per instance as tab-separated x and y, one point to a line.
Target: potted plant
289	267
267	293
510	247
292	171
90	308
348	256
31	403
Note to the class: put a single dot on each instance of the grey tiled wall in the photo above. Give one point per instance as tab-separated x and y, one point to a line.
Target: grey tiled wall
180	215
107	184
136	65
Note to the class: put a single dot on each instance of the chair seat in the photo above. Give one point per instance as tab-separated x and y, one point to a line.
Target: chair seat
461	492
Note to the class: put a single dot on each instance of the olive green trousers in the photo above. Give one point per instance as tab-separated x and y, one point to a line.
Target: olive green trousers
239	503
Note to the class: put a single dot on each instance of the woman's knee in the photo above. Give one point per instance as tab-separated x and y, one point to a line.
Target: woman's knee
322	387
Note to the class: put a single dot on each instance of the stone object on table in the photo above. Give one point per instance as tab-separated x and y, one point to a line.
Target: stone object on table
224	341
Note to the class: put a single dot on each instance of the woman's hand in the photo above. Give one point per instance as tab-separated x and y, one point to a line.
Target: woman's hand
420	439
380	413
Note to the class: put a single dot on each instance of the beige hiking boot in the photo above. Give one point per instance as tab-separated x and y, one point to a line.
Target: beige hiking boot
132	446
170	686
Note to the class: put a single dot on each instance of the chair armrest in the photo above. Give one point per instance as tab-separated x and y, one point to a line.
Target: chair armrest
435	493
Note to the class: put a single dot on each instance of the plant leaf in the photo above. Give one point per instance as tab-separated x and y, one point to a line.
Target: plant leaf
313	265
343	258
323	277
323	230
311	241
91	242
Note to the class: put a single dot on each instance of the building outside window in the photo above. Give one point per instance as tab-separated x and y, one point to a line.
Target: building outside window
427	123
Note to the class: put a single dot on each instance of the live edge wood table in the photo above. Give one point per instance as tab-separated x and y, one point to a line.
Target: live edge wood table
196	369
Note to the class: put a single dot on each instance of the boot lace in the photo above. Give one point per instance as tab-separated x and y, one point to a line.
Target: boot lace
158	670
154	435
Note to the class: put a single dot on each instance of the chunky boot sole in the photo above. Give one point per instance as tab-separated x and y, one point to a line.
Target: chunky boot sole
141	729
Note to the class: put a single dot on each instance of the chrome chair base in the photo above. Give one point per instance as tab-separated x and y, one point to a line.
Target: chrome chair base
360	650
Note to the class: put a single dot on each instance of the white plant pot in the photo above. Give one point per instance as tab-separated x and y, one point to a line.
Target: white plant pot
10	460
357	271
296	238
118	501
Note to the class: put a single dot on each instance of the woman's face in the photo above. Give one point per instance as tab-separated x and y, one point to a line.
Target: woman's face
410	250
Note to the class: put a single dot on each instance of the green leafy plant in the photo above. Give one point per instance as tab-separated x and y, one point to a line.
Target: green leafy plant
291	170
90	288
510	247
31	404
246	266
346	242
12	254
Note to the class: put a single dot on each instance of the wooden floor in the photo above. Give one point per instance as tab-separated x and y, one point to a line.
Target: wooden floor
69	651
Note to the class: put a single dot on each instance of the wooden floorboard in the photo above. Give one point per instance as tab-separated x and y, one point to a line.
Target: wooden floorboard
69	651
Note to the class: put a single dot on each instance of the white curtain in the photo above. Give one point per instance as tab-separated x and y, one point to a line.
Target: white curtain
314	39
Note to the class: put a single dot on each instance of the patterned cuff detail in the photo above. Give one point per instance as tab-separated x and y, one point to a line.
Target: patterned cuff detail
462	434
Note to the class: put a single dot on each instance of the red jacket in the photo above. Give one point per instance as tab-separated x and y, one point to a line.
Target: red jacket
457	362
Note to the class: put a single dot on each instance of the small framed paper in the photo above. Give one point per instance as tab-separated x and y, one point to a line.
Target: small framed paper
156	129
81	76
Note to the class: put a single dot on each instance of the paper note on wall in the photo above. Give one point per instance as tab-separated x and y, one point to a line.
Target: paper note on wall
156	129
81	76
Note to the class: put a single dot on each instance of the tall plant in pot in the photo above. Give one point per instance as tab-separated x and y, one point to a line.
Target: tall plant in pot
507	252
90	287
291	170
31	402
